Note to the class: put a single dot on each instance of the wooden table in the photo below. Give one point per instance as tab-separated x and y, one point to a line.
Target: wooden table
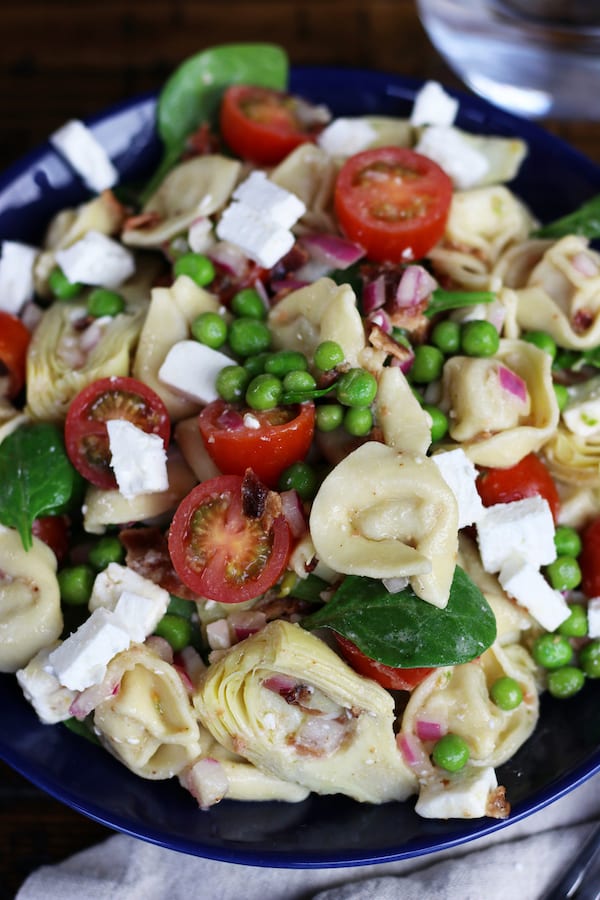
62	60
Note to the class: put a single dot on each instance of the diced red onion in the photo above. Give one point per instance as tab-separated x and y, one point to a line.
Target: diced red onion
229	257
160	646
218	635
381	319
92	335
246	622
294	512
512	383
404	364
206	781
336	251
414	754
374	294
190	660
287	284
185	678
31	314
584	264
321	736
280	684
85	702
415	285
428	730
231	418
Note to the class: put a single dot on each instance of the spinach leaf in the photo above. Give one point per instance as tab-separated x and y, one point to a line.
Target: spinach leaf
309	588
442	300
193	93
403	631
36	477
584	221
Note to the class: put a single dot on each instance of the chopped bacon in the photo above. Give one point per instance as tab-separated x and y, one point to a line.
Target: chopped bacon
498	806
258	502
148	555
382	341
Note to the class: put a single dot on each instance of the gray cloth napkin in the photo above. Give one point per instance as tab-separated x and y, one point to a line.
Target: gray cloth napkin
519	861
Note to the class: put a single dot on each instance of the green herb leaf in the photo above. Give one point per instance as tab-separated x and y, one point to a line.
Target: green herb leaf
442	301
584	221
81	728
403	631
36	477
309	589
291	397
192	94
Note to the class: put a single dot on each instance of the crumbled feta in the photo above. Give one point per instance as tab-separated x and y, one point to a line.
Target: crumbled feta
260	237
85	154
460	475
191	369
138	602
250	421
138	459
345	137
433	106
531	590
40	686
266	197
200	237
16	275
581	415
447	147
593	617
463	795
97	260
522	529
81	660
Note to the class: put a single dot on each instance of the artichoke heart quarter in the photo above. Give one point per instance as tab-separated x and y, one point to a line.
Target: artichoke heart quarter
286	702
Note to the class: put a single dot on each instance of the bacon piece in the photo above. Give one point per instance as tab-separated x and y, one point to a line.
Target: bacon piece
498	806
148	555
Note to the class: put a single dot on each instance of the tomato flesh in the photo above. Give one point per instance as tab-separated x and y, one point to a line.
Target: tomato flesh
86	435
14	341
528	478
589	559
392	201
53	531
219	552
387	676
283	437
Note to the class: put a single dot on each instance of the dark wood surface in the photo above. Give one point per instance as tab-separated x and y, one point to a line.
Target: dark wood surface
72	58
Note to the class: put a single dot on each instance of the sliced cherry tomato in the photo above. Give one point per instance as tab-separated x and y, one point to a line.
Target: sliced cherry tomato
53	531
263	125
589	559
528	478
393	202
387	676
14	341
116	397
221	553
283	437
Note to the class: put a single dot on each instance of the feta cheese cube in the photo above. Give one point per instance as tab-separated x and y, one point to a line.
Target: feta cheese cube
582	412
433	106
191	369
40	686
138	459
460	475
81	660
593	617
447	147
345	137
266	197
16	275
136	615
531	590
523	529
260	237
97	260
138	602
463	795
77	144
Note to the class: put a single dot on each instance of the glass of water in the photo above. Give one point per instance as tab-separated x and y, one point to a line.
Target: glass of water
532	57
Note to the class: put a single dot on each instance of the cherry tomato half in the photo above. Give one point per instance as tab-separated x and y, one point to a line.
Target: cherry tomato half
14	341
528	478
387	676
283	437
221	553
589	559
392	201
115	397
263	125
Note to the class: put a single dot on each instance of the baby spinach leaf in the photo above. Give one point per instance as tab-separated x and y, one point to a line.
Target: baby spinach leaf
192	94
442	301
584	221
36	477
403	631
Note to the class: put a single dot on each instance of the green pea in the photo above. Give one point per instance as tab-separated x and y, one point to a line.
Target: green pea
439	422
285	361
356	387
564	573
328	355
565	682
102	302
255	365
61	287
176	630
210	328
106	550
566	359
479	338
264	392
358	420
329	416
506	693
231	383
552	651
567	541
427	365
541	339
76	583
196	266
451	752
180	607
446	336
247	337
577	624
589	659
299	381
300	477
561	394
248	304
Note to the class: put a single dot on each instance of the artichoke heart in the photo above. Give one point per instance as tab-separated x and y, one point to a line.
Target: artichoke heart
286	702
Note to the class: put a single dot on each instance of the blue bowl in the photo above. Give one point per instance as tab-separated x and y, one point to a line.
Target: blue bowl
321	831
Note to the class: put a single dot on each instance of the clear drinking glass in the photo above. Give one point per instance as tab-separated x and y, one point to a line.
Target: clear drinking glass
532	57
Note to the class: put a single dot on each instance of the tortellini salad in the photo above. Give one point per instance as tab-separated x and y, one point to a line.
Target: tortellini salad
300	467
